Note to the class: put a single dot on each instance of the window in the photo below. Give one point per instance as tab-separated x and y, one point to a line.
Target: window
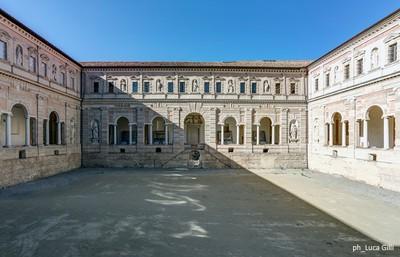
218	87
110	87
170	87
346	71
277	88
146	87
360	66
327	81
32	64
293	88
392	53
95	87
3	50
72	82
242	87
316	86
254	87
43	69
182	87
135	87
206	87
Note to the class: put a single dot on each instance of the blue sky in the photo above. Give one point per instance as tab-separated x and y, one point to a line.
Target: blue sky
206	30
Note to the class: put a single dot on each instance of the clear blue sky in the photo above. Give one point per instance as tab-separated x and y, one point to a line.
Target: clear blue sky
203	30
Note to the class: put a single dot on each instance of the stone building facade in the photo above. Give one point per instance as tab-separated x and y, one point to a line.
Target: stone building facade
40	105
338	114
210	115
354	107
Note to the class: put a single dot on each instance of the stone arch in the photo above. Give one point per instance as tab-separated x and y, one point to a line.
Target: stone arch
122	130
265	130
19	126
194	128
54	128
375	132
158	130
228	131
337	124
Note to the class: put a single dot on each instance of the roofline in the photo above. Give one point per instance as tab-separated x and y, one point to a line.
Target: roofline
352	38
20	24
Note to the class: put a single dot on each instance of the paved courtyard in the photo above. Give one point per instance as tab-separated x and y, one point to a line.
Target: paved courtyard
115	212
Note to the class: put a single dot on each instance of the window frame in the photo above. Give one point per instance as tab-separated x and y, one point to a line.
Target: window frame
218	87
242	87
32	64
206	86
170	87
3	53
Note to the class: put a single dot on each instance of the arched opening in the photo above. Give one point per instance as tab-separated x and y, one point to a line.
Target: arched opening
337	129
122	131
53	128
194	128
158	131
19	125
375	127
265	131
227	133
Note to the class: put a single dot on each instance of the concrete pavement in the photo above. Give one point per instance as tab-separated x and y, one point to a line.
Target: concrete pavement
369	213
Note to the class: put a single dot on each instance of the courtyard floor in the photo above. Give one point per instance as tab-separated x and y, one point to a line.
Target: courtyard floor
129	212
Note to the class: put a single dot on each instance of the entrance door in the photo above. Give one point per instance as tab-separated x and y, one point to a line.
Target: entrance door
193	134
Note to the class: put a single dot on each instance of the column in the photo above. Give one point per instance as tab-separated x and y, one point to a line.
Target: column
237	134
330	134
222	134
273	134
130	134
357	134
343	133
365	133
386	132
58	133
115	134
166	134
150	134
8	129
47	132
27	131
258	134
326	133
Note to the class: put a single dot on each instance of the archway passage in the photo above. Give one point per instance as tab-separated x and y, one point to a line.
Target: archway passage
158	131
375	127
337	129
19	126
53	128
194	129
123	131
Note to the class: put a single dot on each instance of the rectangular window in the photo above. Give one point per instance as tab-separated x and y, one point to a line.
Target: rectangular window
360	66
218	87
346	71
316	85
242	87
72	82
278	88
206	87
146	87
3	50
95	87
110	87
135	87
62	78
43	68
170	87
392	53
182	87
293	88
327	81
253	87
32	64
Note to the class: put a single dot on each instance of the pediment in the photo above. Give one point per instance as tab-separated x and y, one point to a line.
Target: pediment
44	57
359	53
347	59
4	33
391	37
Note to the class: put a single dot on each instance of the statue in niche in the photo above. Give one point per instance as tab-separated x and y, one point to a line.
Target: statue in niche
54	72
73	132
123	85
266	87
159	85
316	130
230	86
95	130
293	131
19	56
335	74
195	86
